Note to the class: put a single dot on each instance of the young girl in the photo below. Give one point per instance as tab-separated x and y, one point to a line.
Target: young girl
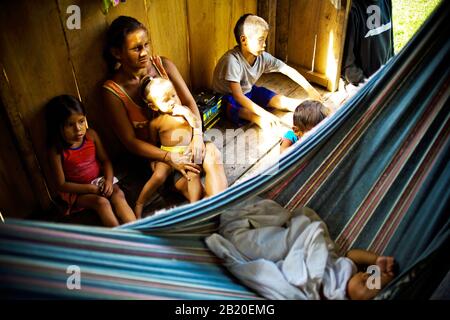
307	115
173	127
77	158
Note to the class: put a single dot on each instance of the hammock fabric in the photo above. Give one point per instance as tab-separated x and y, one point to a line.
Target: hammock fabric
377	172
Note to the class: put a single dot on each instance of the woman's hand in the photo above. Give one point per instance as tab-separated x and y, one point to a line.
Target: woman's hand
197	148
182	163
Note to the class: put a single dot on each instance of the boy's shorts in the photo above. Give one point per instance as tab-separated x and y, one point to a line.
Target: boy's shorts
259	95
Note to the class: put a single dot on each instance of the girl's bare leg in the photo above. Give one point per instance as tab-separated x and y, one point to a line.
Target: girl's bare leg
120	204
160	173
101	205
215	179
192	189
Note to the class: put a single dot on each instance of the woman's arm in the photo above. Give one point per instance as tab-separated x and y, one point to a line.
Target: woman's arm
61	184
124	130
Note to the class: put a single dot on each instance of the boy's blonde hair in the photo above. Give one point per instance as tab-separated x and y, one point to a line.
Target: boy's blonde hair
250	24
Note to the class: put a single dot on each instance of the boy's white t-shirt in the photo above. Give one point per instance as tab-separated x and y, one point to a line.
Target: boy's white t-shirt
233	67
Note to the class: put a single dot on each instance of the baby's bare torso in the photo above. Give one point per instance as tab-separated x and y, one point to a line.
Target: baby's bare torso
171	130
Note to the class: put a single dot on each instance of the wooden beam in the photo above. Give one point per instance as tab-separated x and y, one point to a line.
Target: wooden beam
312	76
343	14
24	144
267	9
282	29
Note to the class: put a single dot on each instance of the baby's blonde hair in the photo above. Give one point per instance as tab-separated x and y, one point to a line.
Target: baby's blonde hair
147	83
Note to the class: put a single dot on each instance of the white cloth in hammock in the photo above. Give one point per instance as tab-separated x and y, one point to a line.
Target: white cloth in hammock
281	255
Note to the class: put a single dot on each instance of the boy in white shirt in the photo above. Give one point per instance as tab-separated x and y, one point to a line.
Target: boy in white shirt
240	68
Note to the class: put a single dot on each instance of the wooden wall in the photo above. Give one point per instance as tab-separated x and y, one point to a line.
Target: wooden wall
316	41
310	36
211	25
40	58
16	194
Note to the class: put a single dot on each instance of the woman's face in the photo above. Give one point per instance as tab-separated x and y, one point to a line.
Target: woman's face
136	50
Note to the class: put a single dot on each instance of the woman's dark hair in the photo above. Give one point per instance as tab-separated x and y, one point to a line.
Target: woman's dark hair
239	28
309	113
57	111
115	37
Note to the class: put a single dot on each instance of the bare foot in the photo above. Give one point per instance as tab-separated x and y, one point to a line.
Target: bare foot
386	264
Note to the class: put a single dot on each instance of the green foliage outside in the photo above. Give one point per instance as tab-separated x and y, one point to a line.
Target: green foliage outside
407	17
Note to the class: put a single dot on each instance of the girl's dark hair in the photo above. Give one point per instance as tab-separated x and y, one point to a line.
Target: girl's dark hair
115	37
309	113
57	111
239	28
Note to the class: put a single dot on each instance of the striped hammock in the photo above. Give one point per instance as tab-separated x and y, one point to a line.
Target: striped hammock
378	173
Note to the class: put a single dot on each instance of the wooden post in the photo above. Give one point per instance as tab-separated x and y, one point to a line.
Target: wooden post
24	144
267	9
282	31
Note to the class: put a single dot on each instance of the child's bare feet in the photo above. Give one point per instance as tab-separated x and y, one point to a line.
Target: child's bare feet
386	264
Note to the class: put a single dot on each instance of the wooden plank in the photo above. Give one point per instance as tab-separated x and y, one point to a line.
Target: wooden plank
302	32
211	26
267	9
85	47
316	77
278	83
168	27
136	9
244	146
267	161
34	60
282	29
17	199
208	24
239	8
341	30
316	36
330	44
